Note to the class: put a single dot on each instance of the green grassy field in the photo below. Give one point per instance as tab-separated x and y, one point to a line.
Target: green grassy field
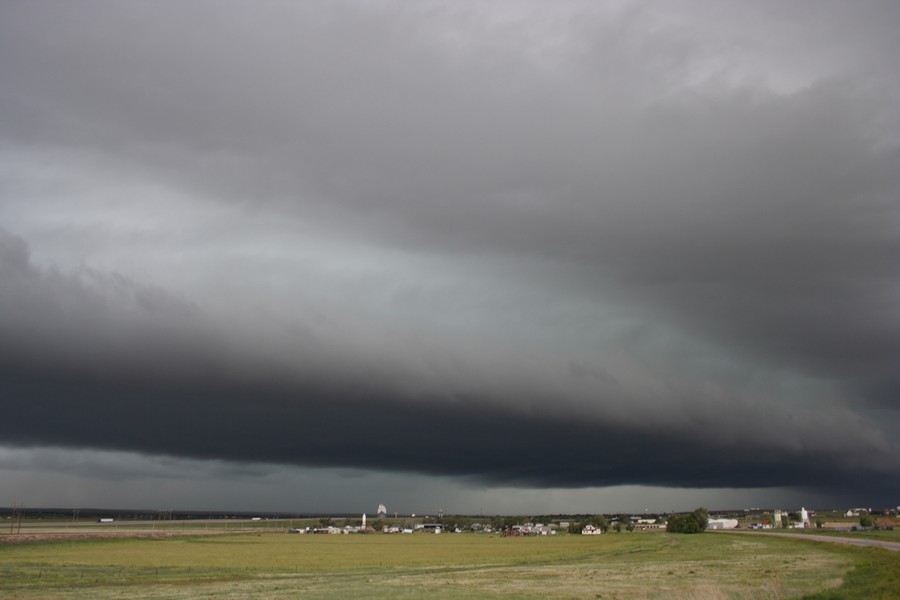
275	565
886	536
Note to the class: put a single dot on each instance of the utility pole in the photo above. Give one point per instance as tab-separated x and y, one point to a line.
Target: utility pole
18	513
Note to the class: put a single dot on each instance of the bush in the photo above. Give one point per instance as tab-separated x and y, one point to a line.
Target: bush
693	522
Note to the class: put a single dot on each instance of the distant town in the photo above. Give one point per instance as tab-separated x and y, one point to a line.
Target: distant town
381	521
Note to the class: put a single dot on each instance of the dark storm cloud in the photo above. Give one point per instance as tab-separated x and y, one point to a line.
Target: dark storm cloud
102	362
578	245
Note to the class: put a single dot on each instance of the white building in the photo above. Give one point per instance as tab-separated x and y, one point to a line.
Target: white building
721	523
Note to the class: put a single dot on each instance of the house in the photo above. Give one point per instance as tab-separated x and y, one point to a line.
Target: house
327	530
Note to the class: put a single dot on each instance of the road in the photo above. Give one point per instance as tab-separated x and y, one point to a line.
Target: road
895	546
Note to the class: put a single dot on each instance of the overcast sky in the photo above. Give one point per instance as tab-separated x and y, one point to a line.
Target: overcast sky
500	256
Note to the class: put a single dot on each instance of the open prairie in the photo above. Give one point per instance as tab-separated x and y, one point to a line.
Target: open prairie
275	565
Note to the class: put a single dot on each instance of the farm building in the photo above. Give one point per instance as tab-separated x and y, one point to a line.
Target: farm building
721	523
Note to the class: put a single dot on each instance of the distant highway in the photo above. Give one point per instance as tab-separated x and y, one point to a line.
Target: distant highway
32	525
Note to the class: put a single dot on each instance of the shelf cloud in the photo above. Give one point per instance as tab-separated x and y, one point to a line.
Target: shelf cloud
512	244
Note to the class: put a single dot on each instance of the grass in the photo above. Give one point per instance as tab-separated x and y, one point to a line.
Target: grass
887	536
274	565
876	577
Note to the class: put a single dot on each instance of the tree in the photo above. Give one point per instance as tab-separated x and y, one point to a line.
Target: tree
692	522
510	521
866	520
600	522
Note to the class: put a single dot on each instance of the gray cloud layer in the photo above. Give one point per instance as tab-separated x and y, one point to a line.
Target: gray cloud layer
554	246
